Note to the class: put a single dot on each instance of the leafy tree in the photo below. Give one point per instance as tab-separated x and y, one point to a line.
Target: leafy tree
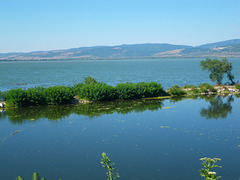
217	69
228	66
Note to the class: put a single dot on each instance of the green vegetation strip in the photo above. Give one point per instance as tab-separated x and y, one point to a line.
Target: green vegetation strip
91	90
206	172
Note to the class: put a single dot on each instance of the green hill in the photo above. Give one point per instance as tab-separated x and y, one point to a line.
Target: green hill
230	48
221	43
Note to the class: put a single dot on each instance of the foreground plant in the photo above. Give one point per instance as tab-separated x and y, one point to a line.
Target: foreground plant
106	163
208	164
35	176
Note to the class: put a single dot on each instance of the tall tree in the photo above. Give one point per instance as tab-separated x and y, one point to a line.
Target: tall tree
228	67
217	69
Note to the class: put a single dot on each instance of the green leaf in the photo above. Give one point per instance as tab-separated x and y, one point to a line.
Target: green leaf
35	176
19	178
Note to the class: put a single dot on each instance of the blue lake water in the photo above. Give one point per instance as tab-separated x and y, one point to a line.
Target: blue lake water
167	71
147	139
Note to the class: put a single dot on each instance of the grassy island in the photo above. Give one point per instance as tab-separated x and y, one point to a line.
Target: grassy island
203	89
91	90
88	91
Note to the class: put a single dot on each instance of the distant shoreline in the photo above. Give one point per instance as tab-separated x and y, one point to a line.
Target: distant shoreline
77	59
228	48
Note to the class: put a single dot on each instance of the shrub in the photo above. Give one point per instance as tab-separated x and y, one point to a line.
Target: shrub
89	80
76	88
194	90
93	91
58	94
29	97
2	96
237	86
126	90
35	96
38	96
205	87
97	92
14	97
103	92
188	86
151	89
139	90
176	91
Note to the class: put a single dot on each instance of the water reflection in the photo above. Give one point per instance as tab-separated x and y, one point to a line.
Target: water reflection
219	107
19	115
178	99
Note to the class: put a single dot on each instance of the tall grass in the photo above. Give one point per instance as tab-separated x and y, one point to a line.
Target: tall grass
90	90
58	94
38	96
176	91
96	92
139	90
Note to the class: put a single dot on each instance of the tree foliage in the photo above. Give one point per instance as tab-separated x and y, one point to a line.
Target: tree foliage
218	68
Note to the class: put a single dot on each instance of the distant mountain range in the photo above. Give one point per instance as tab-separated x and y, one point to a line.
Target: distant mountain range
230	48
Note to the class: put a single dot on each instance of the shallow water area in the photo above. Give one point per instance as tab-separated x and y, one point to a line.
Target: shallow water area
147	139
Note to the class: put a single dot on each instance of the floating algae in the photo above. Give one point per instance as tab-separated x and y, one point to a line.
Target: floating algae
168	107
15	132
164	127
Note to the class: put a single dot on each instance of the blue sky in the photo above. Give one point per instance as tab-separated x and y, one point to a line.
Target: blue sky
31	25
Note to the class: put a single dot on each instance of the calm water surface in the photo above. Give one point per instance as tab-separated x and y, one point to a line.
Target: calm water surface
147	139
167	71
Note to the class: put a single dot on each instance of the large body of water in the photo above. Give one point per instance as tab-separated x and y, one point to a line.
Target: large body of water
167	71
147	139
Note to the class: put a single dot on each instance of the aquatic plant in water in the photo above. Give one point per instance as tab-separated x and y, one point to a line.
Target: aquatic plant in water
107	164
208	164
35	176
206	172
